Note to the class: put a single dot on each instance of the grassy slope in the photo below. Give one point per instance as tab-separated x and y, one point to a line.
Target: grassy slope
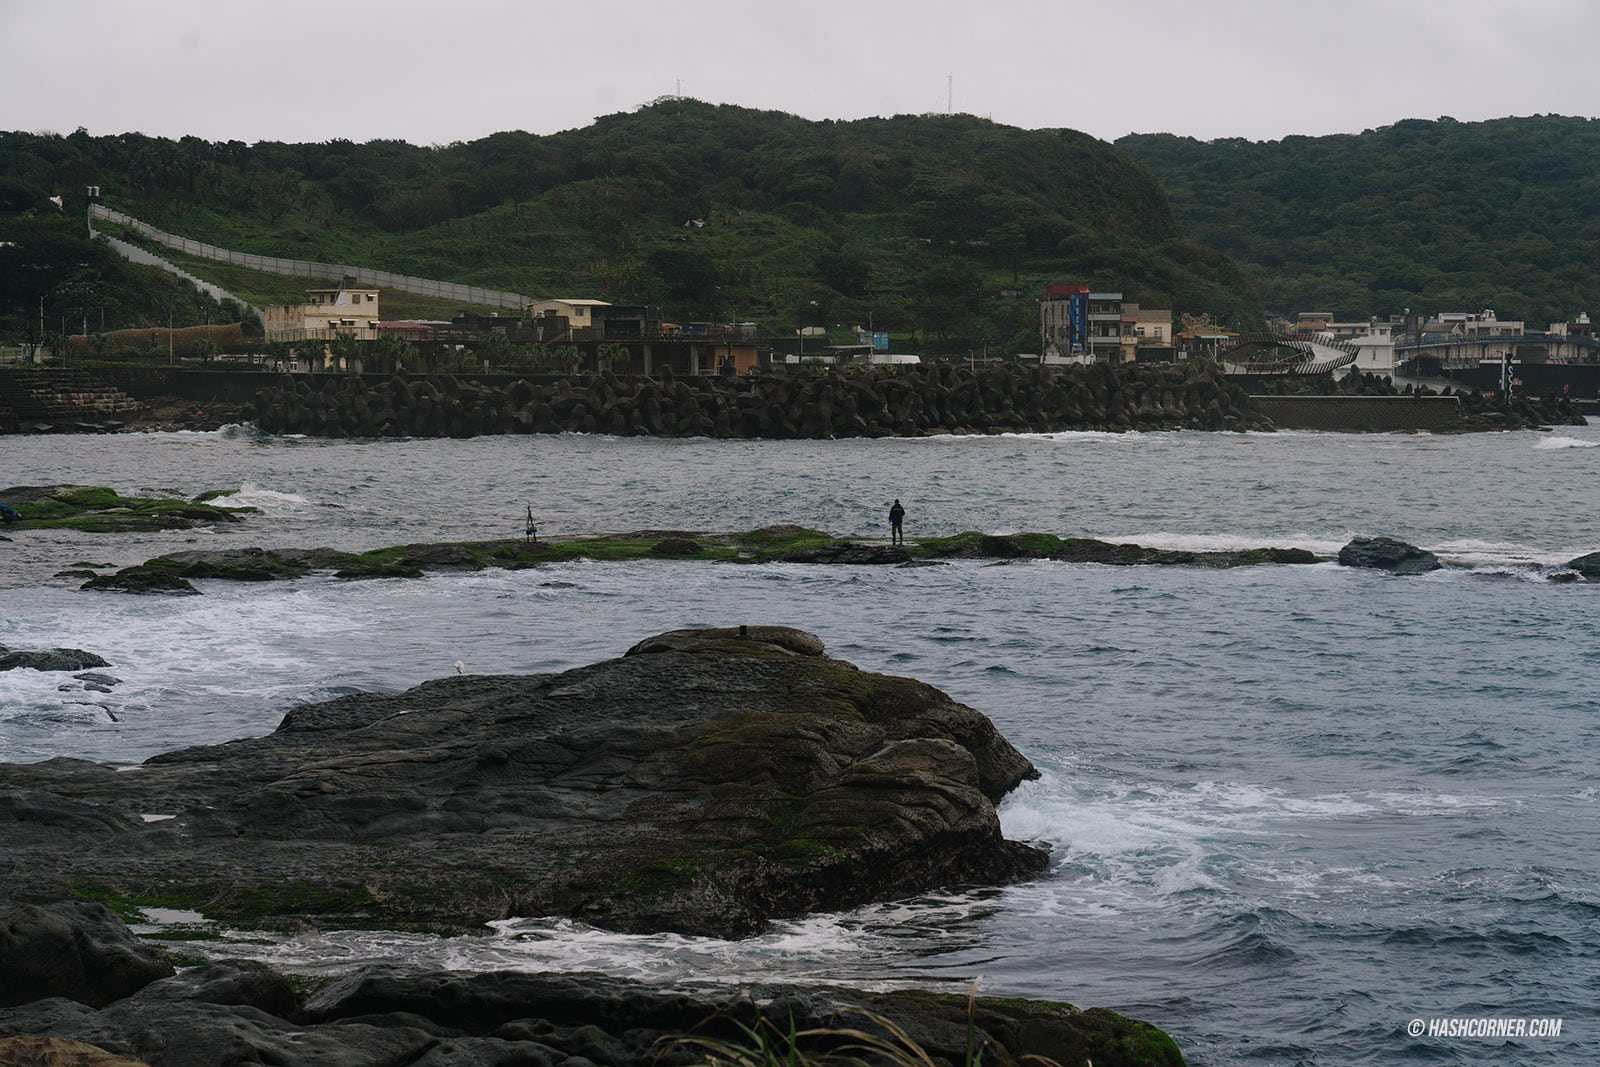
938	215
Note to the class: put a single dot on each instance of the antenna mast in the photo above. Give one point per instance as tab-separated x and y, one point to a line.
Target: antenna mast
949	94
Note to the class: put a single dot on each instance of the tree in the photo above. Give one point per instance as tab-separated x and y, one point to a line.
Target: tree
844	270
392	354
346	350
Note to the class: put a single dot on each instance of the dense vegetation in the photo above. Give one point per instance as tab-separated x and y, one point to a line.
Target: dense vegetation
1435	216
51	272
945	225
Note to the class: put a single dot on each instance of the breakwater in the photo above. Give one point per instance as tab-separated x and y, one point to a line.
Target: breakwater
873	402
1362	414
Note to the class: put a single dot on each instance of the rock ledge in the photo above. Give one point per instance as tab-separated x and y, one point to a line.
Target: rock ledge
706	782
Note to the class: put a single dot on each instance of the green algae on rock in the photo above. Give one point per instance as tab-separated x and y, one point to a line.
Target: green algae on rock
771	544
96	509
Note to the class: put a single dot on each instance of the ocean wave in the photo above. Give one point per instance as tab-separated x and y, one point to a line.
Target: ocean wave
257	496
863	945
1247	939
1480	553
1226	542
1061	436
1564	442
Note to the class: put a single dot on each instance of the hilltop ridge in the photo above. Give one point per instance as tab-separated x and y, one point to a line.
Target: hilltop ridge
1432	215
942	225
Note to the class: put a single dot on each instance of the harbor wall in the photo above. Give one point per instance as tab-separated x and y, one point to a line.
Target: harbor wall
1361	414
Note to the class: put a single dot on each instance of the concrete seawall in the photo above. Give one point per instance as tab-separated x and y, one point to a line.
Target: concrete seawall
1361	414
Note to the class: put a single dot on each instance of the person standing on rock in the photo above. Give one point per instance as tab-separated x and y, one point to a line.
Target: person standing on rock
897	515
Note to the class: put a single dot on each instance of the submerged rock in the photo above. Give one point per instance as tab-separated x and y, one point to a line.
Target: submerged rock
131	581
704	783
55	659
1388	554
1587	565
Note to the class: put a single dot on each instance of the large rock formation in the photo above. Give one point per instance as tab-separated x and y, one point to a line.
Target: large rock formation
1388	554
705	782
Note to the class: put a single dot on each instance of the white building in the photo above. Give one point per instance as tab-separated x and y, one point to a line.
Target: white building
326	312
580	314
1374	349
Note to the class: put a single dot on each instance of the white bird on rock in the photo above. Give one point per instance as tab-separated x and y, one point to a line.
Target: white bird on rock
460	667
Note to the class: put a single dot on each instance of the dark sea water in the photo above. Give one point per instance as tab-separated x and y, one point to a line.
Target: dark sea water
1291	808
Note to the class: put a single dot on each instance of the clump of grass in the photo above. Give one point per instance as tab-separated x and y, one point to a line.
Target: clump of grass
878	1041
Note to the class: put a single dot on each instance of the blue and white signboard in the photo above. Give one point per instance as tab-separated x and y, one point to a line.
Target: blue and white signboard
880	341
1078	314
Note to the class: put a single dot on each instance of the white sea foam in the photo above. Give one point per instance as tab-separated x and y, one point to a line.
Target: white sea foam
1426	803
1564	442
859	946
1485	553
1225	542
1058	437
257	496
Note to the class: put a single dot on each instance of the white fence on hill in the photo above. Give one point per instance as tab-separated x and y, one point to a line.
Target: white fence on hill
377	279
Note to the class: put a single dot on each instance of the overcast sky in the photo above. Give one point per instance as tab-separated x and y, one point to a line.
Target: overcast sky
437	71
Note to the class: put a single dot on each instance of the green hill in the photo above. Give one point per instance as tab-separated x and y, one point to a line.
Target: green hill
1435	216
945	225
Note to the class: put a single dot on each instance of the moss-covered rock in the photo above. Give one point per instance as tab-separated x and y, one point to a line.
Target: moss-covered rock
773	544
96	509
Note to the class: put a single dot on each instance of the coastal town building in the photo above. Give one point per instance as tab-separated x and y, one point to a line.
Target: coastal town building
326	314
1470	326
580	314
1578	327
1078	325
1064	323
1374	349
1146	334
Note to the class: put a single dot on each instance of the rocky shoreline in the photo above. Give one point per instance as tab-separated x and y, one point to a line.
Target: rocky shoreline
172	573
706	782
78	990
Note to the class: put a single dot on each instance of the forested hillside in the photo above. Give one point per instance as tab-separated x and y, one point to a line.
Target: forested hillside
946	225
1436	216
